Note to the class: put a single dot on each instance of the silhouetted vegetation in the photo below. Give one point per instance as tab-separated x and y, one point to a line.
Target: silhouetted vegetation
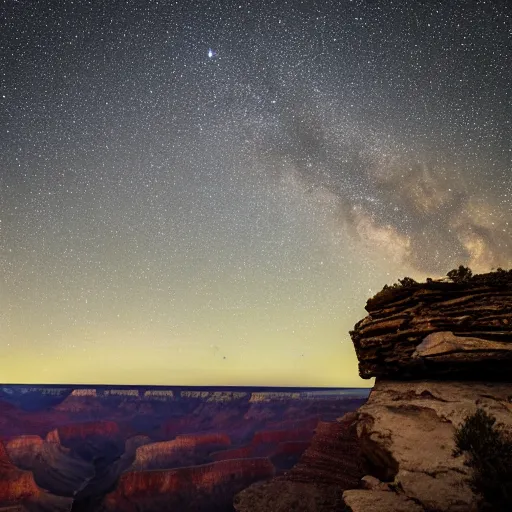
407	282
490	457
460	275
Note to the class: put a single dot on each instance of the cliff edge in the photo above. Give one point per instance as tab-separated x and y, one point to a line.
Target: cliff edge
440	351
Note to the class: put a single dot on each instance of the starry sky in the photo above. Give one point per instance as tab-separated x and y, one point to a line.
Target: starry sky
206	193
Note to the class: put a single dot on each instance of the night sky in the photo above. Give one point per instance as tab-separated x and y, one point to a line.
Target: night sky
199	192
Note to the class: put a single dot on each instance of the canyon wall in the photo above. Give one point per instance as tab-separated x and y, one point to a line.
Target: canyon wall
331	464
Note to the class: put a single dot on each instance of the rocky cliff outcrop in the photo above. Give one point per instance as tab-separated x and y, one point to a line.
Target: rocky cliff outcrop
23	450
406	431
54	467
439	330
439	351
331	464
15	484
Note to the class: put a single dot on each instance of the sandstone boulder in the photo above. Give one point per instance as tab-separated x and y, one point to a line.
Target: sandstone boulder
406	433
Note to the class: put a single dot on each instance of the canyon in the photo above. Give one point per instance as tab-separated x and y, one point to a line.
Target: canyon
439	351
105	449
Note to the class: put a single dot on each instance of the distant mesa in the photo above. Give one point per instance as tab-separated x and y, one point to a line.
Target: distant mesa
33	398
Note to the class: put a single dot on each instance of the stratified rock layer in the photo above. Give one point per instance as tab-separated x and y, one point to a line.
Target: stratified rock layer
406	433
439	330
181	451
19	491
193	488
331	464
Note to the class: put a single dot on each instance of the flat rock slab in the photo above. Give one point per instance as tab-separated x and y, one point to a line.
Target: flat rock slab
359	500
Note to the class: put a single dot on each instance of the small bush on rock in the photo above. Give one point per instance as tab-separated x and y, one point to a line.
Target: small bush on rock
460	275
490	457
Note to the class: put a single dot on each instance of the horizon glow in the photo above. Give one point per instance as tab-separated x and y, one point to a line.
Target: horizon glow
170	218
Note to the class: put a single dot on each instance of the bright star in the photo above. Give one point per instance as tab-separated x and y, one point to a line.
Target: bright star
211	53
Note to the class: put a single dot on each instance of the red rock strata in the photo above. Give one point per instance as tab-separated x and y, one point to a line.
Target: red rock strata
292	447
82	431
194	440
244	452
331	464
22	450
167	454
279	436
15	484
334	457
85	430
138	486
262	450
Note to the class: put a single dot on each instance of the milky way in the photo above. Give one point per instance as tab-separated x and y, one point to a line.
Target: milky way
207	192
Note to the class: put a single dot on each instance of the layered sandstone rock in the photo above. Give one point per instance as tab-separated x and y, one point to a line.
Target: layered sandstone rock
87	430
54	467
186	488
23	450
15	484
439	330
331	464
179	452
440	351
19	489
262	450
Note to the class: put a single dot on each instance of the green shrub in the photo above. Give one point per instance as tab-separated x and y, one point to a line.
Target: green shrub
490	457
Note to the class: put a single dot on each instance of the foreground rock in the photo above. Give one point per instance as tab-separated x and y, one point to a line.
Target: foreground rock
331	464
406	432
439	330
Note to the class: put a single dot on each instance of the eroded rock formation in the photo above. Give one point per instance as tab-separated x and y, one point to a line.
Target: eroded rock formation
439	350
439	330
186	488
331	464
185	450
19	489
406	430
